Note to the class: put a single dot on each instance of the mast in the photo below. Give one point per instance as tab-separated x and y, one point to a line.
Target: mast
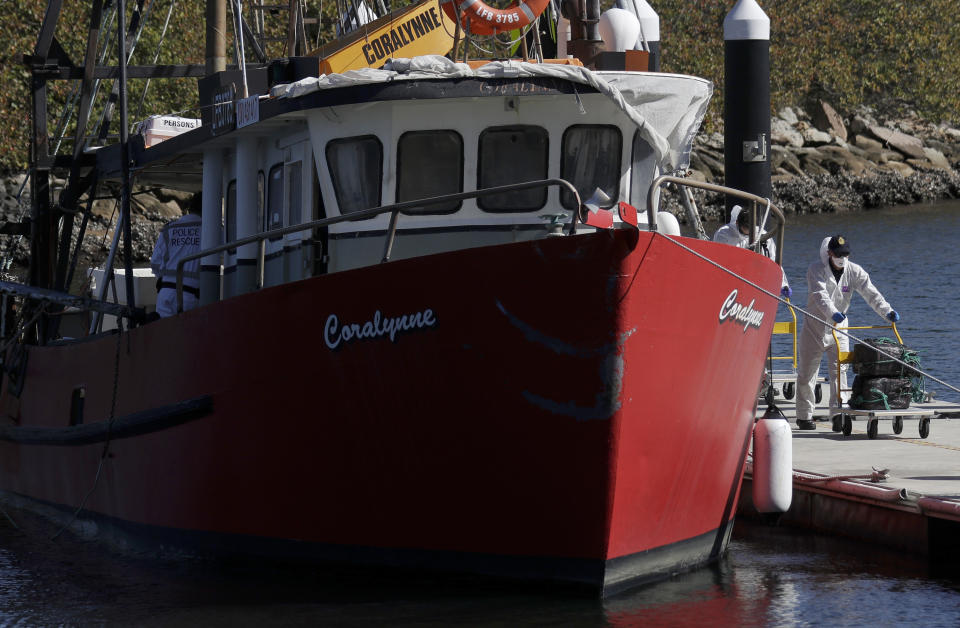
125	154
43	227
216	42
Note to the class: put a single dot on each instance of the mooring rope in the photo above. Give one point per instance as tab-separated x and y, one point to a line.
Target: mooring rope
803	311
106	444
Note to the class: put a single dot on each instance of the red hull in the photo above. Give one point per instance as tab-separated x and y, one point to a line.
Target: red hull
571	408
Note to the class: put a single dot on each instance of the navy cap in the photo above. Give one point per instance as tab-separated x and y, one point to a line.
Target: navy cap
839	246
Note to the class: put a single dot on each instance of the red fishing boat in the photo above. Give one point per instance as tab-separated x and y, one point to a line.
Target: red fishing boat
527	386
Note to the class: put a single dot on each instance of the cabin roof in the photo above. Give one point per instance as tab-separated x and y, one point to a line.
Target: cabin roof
667	108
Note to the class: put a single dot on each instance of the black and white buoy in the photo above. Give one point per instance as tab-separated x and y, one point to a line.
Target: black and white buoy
746	109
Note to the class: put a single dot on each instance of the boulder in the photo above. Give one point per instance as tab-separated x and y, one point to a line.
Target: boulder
906	144
104	208
714	141
856	150
781	176
899	167
861	124
866	143
937	158
787	115
783	159
816	137
152	207
807	152
846	160
827	119
166	194
782	132
697	164
950	151
839	141
812	167
922	165
891	155
712	161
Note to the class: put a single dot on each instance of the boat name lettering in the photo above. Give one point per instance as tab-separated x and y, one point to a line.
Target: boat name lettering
389	44
224	115
248	111
733	311
335	332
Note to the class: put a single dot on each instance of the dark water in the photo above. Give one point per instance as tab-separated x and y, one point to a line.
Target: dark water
770	577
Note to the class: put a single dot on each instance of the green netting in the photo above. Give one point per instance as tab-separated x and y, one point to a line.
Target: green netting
879	364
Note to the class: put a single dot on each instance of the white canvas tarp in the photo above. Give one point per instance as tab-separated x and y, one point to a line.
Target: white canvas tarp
667	108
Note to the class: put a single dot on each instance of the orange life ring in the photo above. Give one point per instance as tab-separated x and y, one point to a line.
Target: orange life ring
485	20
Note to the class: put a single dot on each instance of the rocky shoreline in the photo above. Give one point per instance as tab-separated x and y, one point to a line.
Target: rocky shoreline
820	162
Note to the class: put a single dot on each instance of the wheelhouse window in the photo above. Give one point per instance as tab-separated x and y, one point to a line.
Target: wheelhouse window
295	190
512	154
430	163
642	171
356	168
590	160
274	213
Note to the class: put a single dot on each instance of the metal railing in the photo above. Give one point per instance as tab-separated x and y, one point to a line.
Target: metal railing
653	203
394	209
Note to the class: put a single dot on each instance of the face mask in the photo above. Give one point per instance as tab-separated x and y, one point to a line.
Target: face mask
839	262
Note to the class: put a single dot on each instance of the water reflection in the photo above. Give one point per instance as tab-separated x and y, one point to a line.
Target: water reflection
771	577
785	577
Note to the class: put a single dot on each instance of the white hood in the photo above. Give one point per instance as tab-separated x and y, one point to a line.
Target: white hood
734	214
825	251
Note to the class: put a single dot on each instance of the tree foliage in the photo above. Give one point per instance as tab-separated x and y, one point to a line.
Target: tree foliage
895	54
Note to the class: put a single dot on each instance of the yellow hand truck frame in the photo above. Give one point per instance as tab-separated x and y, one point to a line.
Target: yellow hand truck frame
788	379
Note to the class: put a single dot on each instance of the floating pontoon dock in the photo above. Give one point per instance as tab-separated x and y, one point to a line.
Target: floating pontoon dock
897	490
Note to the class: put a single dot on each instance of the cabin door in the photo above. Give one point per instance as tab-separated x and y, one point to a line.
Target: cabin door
288	194
298	201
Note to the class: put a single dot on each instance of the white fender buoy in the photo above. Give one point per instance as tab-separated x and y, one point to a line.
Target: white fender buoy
668	224
772	463
619	30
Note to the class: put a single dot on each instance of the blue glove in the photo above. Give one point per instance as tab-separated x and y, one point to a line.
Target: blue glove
893	317
839	316
786	292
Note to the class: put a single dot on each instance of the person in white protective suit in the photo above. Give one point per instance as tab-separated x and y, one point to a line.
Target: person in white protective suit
737	233
178	239
831	282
